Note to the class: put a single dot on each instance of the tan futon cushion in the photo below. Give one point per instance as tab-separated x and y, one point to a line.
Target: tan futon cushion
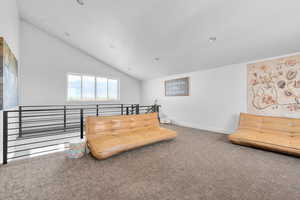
117	134
271	133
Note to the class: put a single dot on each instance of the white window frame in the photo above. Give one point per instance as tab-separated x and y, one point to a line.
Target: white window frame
95	77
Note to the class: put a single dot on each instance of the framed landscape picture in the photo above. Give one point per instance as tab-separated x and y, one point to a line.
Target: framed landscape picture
177	87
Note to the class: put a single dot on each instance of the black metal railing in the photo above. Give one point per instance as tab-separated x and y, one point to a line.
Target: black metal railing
36	130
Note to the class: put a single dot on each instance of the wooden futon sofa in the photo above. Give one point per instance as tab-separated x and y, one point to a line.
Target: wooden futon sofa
270	133
107	136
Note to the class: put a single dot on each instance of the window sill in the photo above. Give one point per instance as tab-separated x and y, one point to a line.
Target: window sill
86	101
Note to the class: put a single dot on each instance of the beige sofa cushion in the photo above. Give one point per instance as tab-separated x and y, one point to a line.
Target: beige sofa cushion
271	133
107	136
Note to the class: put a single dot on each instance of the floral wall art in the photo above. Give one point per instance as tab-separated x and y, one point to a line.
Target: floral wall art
8	77
274	87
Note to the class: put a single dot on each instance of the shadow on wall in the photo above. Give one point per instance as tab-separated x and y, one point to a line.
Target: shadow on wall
233	123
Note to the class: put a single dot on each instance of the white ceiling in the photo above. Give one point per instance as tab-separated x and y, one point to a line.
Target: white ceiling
130	34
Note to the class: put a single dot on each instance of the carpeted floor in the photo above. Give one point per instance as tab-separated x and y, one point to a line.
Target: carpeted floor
197	165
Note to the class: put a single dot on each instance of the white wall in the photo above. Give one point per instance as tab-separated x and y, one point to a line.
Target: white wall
45	62
216	99
9	24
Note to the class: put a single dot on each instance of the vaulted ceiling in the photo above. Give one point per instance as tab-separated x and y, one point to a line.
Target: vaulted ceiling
154	38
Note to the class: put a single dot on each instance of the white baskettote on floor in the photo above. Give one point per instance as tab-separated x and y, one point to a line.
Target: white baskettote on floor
76	148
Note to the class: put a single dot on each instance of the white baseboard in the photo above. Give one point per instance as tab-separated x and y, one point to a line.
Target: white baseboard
198	126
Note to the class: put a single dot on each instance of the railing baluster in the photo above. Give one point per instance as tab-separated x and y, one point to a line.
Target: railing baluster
5	135
137	109
65	118
20	121
153	108
81	123
97	110
127	110
157	110
132	107
122	106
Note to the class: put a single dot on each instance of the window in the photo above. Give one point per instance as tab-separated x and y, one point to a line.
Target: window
112	89
91	88
102	88
74	87
88	88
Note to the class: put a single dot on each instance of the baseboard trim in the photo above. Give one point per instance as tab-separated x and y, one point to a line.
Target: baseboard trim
198	126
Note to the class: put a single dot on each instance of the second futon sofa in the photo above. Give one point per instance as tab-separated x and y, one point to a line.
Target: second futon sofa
107	136
279	134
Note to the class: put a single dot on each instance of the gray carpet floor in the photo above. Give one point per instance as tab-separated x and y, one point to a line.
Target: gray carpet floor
197	165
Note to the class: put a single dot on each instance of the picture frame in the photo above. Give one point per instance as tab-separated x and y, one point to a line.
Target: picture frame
177	87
